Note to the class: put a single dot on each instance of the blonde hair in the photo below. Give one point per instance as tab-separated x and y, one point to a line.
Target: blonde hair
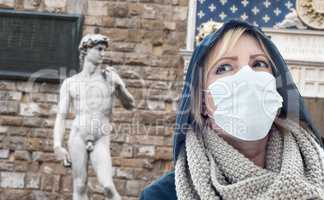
229	39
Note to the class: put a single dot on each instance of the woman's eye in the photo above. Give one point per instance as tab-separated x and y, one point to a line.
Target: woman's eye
100	48
260	63
223	68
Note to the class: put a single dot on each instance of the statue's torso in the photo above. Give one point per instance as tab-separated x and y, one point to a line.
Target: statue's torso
92	102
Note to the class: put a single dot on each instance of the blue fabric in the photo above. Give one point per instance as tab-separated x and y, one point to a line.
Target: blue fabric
293	105
161	189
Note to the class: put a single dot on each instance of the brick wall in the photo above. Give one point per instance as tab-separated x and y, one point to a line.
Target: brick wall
146	38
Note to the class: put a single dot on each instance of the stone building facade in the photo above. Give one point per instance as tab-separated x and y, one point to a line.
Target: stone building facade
146	38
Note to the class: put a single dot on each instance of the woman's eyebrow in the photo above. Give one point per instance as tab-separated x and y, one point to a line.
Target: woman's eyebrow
258	54
236	57
224	57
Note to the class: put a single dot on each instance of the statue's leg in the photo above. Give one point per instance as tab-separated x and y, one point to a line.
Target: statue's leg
101	161
79	158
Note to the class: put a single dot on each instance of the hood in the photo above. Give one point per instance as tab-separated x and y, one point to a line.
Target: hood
293	104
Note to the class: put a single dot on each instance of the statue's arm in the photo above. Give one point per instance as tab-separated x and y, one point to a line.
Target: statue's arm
122	93
62	111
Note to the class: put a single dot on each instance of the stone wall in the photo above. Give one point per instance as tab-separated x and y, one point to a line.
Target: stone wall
146	38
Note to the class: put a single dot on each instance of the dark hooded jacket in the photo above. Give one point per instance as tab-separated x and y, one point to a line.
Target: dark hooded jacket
293	105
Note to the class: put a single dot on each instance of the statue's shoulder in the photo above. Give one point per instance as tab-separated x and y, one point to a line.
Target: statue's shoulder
69	82
113	73
71	79
109	70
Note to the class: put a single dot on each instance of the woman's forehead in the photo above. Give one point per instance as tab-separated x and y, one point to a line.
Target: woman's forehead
246	44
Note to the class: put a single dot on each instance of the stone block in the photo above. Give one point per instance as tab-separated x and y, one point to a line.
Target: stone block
135	9
55	6
97	8
134	187
10	95
43	157
44	97
127	173
127	151
12	179
50	182
27	86
38	109
164	153
180	13
119	10
22	155
49	87
67	184
7	85
33	180
11	120
7	3
145	151
149	12
31	4
120	185
9	107
4	153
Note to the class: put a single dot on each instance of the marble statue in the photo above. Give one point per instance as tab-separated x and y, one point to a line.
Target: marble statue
291	20
90	95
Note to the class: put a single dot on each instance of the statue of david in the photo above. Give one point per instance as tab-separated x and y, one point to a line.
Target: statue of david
90	95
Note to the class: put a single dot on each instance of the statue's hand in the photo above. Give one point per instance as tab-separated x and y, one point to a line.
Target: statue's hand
62	154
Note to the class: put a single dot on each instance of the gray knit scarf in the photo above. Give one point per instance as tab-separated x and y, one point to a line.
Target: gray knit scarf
209	168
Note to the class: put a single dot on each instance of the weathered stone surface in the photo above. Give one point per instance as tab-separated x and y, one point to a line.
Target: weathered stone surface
31	4
22	155
50	182
127	173
27	86
134	187
33	180
7	85
127	151
119	10
135	9
7	3
10	120
12	180
43	157
44	97
164	153
56	6
180	13
14	194
37	109
4	153
146	151
97	8
10	95
49	87
9	107
149	12
67	184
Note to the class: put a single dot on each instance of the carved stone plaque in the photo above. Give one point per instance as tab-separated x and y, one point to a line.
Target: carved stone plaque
311	12
40	46
299	45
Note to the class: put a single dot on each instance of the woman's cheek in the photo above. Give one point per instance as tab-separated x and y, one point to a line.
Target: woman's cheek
210	105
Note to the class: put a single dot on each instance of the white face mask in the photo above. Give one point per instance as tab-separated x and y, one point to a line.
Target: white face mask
247	103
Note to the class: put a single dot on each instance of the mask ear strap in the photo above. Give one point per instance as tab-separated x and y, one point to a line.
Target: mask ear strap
205	112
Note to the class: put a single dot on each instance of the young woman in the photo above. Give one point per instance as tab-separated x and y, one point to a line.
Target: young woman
243	131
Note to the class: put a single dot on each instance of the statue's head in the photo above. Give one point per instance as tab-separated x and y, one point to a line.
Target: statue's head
92	47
